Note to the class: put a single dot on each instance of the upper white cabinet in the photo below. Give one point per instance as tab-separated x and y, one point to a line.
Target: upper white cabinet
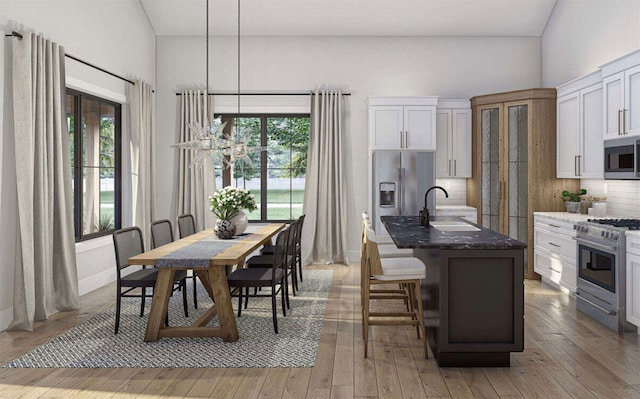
621	97
578	130
453	138
402	123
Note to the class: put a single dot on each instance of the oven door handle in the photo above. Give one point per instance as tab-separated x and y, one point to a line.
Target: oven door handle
606	248
609	312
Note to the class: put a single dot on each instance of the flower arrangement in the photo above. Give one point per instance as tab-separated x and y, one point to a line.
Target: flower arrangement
227	202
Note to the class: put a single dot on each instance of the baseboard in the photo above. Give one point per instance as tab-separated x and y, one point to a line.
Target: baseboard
96	281
6	316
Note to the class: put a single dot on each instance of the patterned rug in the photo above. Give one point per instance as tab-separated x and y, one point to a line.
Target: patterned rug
94	345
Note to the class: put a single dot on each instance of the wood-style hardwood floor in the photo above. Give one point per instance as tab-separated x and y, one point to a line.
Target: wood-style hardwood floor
567	356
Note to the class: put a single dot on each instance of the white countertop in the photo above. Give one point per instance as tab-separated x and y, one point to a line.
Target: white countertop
455	208
565	216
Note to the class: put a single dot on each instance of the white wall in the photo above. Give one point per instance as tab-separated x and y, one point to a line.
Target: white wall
453	67
114	35
581	36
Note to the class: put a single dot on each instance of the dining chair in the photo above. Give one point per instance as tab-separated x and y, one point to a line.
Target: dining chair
274	276
187	227
405	271
269	249
127	243
290	259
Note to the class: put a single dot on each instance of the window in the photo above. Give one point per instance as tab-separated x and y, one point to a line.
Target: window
94	134
275	176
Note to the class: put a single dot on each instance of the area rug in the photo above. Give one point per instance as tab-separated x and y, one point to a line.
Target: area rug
94	345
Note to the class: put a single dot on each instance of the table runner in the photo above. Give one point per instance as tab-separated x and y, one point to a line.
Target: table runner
198	254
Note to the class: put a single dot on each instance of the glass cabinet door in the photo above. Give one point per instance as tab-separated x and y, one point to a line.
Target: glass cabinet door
490	118
517	169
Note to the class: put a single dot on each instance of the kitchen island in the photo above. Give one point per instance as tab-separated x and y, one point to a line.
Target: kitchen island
473	294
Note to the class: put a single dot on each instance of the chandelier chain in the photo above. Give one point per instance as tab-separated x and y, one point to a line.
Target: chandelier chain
238	57
206	90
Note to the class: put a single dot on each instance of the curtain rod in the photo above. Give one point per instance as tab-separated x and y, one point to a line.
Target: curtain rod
19	36
262	94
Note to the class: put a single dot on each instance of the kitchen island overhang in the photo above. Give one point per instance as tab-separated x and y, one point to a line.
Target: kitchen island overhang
473	294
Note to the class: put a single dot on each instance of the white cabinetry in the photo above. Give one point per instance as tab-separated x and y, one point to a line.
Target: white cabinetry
633	279
555	252
579	134
621	96
402	123
453	139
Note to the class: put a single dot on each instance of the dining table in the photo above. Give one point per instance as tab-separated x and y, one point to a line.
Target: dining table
208	257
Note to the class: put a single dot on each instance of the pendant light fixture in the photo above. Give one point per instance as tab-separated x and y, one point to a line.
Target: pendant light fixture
209	142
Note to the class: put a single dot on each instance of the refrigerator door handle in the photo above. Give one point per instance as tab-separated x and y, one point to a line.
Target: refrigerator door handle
400	189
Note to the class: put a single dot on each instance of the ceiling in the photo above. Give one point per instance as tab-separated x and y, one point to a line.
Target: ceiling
351	17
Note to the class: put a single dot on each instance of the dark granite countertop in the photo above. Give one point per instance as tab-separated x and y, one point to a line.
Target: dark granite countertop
407	232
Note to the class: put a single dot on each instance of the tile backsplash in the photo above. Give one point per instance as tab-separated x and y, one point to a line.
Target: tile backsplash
623	196
457	189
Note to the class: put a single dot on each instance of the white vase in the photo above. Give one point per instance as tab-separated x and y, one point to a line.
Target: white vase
241	221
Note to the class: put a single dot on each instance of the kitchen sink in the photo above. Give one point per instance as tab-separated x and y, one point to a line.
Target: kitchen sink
454	226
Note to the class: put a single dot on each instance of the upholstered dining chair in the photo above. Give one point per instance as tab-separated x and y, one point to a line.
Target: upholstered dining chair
274	276
408	272
127	243
187	227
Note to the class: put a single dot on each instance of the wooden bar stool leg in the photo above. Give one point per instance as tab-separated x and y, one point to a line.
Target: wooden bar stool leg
421	318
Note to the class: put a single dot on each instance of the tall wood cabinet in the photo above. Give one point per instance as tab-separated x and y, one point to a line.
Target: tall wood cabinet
514	163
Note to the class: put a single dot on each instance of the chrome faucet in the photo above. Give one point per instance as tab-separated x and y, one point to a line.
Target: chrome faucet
424	213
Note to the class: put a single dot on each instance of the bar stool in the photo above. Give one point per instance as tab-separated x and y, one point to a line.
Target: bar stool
405	271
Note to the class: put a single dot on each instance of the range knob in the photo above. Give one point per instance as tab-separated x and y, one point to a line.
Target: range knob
614	236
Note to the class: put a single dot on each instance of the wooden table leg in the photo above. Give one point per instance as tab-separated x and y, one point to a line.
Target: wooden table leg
159	303
220	288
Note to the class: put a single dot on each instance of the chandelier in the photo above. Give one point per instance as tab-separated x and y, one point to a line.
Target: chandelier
210	142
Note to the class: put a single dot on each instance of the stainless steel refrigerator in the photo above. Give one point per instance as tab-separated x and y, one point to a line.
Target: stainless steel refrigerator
400	180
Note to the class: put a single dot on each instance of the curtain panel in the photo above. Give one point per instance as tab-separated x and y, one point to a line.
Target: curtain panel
195	184
324	238
142	150
45	275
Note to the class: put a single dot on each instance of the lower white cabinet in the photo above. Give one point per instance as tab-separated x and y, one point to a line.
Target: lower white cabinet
555	252
633	279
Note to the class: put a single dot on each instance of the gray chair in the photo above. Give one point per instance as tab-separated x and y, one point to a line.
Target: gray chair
274	276
127	243
187	227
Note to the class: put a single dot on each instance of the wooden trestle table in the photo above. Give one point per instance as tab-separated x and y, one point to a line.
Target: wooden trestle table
213	278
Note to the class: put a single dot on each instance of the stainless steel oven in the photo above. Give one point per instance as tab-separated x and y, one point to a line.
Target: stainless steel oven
601	285
622	158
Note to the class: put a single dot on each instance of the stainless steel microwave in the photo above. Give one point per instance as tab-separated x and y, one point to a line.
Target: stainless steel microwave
622	158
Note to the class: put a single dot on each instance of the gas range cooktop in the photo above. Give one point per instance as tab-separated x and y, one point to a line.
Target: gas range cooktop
629	224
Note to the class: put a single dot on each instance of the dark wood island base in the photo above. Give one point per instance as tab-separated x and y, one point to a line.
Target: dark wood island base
473	293
474	305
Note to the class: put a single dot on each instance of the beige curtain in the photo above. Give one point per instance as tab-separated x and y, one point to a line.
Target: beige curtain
195	184
143	148
45	276
324	237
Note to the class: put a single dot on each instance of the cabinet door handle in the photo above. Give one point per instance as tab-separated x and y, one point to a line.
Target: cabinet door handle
619	124
455	170
406	139
579	165
554	245
401	140
449	168
554	270
624	121
575	165
554	225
